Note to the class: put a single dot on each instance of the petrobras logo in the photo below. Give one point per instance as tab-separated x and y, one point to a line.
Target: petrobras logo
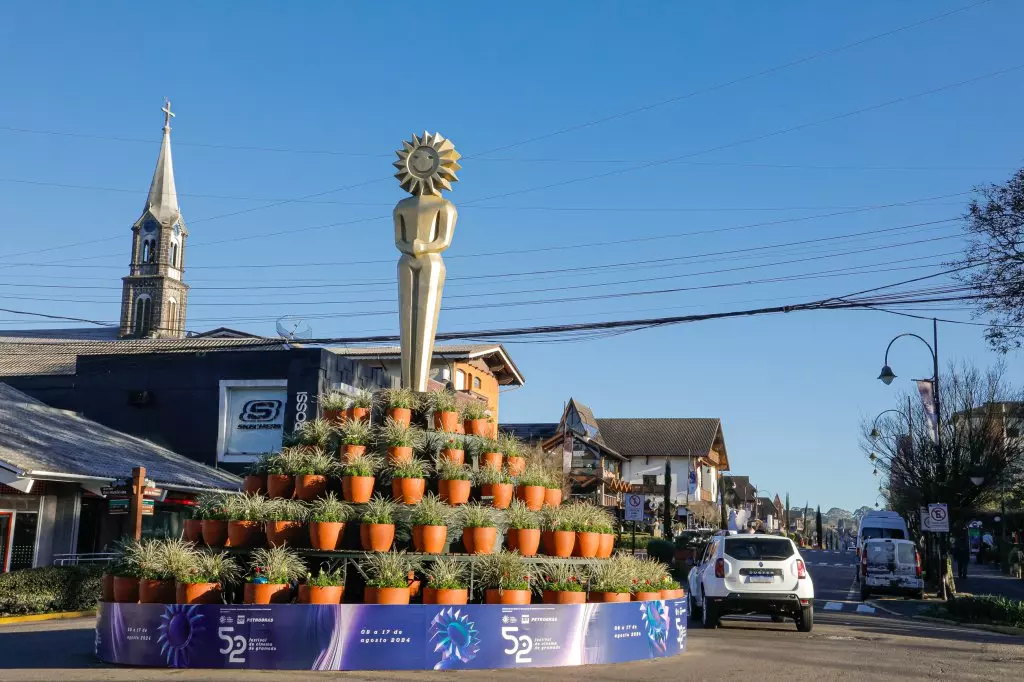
261	414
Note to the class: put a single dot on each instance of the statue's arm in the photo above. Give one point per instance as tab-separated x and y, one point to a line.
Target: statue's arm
445	218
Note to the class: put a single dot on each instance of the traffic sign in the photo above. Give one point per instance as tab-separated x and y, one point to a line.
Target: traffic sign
634	507
936	520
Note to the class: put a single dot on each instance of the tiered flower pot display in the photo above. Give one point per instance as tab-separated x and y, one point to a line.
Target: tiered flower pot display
156	591
198	593
193	530
126	589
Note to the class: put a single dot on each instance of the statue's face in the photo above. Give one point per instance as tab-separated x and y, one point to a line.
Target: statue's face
424	161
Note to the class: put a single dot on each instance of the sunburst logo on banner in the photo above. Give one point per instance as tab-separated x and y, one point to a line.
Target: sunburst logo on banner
427	164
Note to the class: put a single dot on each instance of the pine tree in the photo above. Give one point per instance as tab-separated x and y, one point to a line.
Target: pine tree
787	514
817	523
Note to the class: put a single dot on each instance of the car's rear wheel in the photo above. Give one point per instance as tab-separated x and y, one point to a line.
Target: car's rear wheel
708	614
805	619
865	593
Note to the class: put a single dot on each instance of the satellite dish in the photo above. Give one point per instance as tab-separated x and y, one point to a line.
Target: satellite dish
291	328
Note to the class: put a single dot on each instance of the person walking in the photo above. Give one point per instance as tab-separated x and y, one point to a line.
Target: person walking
962	554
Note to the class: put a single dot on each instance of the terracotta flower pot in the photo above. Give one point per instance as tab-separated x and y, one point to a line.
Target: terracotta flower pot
359	413
501	492
399	454
349	451
308	487
156	591
280	485
433	596
197	593
311	594
479	540
378	536
453	455
507	596
446	421
552	496
646	596
429	539
606	546
285	533
386	595
562	543
477	427
267	593
532	495
414	585
324	535
107	587
126	590
526	540
334	416
564	597
246	534
606	597
193	530
677	593
547	541
491	459
515	465
408	490
402	415
454	492
357	489
254	484
215	532
587	544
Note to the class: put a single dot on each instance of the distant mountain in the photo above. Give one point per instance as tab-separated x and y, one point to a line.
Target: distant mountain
834	515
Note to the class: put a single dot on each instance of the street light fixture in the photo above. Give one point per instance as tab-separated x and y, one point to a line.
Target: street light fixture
887	375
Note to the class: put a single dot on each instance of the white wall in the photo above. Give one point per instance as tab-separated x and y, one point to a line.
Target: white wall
634	470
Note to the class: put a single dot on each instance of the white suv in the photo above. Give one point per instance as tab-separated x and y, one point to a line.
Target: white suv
752	574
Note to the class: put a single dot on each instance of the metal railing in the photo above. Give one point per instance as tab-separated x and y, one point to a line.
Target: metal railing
86	558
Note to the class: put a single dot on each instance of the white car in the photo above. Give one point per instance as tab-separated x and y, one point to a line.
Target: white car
889	566
752	573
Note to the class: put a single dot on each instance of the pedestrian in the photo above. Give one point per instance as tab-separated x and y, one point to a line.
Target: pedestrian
962	554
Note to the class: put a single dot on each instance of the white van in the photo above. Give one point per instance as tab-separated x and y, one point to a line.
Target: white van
890	566
881	525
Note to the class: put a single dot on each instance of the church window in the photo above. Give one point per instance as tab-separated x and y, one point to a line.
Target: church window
143	315
172	314
174	254
149	251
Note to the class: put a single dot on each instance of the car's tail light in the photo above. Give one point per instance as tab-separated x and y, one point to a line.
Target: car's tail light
801	569
917	564
720	568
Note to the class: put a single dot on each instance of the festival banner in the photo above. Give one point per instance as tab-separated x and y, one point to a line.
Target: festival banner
373	637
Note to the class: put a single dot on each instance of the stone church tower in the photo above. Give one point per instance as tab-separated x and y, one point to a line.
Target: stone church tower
154	298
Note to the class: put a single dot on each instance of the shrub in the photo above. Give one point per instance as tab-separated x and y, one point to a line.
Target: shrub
50	589
447	574
329	509
474	410
662	550
987	608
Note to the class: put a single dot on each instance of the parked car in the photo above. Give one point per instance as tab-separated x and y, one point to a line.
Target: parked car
881	524
890	566
748	573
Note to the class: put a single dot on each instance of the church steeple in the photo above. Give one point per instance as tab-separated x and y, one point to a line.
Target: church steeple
154	298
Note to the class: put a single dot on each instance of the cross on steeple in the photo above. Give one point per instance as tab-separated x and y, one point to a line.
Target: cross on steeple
168	114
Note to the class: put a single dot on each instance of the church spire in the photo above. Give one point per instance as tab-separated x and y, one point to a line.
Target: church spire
163	197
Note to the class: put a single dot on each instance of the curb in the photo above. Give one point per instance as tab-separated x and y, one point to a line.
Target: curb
1000	629
36	617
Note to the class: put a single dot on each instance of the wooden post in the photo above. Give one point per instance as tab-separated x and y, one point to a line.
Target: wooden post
135	502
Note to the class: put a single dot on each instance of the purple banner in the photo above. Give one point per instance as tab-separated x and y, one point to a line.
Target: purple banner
371	637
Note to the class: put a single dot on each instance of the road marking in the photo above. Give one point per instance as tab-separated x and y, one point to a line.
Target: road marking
851	595
833	606
864	608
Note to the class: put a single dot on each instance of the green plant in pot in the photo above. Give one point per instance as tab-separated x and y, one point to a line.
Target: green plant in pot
281	471
285	522
358	477
445	406
495	484
647	573
454	481
326	519
479	527
553	487
585	518
203	582
523	534
400	440
611	580
247	515
255	481
311	473
453	448
475	420
361	406
316	433
159	562
559	535
447	582
408	481
430	524
400	403
530	486
377	530
211	512
604	525
355	437
326	587
561	583
334	405
515	453
387	577
490	453
271	572
505	577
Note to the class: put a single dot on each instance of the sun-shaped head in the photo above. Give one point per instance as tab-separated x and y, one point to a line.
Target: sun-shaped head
427	164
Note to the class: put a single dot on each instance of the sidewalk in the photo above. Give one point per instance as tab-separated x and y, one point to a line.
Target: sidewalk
987	579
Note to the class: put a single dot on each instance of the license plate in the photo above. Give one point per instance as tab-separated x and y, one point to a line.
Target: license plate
761	579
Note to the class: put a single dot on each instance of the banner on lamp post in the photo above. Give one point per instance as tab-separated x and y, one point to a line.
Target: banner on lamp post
926	388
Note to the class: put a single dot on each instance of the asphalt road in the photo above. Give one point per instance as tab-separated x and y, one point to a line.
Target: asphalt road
843	646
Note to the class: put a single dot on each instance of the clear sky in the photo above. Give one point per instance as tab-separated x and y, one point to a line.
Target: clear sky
279	101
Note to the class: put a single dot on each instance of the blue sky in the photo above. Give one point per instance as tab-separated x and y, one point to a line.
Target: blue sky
338	86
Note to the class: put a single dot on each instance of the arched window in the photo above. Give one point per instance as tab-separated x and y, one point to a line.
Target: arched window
172	313
174	254
143	315
149	251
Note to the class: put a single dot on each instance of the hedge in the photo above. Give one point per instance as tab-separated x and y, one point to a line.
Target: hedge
987	608
49	589
662	550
